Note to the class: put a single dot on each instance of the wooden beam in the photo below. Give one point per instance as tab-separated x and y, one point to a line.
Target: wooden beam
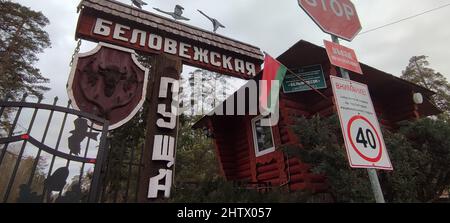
163	66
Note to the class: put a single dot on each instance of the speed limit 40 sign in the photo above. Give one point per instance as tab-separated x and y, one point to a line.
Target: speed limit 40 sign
362	134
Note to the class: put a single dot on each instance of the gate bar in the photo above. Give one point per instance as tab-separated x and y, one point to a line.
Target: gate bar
19	158
101	154
61	130
36	161
16	119
85	155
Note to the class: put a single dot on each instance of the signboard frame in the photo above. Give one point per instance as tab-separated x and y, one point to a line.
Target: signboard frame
74	91
304	87
147	33
337	27
342	56
357	158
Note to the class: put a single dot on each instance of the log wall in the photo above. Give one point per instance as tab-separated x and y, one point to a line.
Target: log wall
234	140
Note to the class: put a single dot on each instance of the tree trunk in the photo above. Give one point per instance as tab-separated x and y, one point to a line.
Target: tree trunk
12	45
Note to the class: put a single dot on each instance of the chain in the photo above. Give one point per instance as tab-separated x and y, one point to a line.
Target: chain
77	49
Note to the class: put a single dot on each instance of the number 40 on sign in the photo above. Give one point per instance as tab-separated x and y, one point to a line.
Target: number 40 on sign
360	128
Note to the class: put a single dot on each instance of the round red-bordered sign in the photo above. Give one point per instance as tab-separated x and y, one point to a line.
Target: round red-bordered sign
370	159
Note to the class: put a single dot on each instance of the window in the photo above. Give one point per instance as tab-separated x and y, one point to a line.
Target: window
262	137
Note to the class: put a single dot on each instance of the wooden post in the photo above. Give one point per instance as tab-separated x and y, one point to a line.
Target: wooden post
167	67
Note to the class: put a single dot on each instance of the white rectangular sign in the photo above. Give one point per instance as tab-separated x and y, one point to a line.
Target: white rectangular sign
359	124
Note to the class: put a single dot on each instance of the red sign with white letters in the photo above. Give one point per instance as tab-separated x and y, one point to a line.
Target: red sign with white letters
342	56
222	57
336	17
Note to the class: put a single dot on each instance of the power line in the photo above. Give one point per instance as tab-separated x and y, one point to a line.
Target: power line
407	18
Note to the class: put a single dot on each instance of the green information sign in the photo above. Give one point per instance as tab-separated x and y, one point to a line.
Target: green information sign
313	75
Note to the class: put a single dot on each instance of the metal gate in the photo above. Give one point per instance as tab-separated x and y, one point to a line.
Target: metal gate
50	153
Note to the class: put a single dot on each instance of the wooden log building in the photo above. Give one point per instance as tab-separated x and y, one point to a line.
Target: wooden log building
242	156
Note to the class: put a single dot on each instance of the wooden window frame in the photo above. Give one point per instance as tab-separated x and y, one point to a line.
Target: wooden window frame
255	139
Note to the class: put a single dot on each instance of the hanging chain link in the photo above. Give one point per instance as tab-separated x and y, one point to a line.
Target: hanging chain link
77	49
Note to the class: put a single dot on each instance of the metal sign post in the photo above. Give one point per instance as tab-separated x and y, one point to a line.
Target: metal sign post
375	183
340	19
344	72
376	188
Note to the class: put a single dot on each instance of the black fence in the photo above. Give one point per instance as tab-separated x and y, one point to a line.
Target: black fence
122	173
50	153
125	161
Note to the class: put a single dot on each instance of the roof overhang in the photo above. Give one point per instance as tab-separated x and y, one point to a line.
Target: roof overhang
381	84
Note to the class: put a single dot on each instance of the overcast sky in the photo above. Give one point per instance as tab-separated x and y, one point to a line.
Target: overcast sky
274	26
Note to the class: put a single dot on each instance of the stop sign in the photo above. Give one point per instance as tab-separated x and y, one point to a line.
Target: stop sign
336	17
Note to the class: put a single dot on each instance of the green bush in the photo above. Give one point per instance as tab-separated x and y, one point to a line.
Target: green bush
419	151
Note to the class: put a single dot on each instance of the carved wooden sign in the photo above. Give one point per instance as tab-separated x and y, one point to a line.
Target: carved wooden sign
119	24
108	82
162	121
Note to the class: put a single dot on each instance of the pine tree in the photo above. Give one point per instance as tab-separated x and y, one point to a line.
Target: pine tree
419	73
203	90
419	151
21	38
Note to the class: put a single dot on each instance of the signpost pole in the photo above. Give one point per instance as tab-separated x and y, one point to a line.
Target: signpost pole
376	188
344	72
375	185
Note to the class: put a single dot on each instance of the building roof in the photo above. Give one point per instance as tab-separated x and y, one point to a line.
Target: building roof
171	26
294	57
381	84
